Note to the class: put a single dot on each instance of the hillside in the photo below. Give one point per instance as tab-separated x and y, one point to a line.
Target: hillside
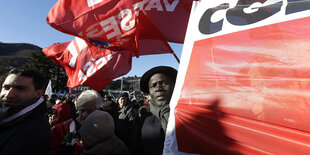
14	49
15	54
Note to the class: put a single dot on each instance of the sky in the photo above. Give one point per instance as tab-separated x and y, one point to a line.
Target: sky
23	21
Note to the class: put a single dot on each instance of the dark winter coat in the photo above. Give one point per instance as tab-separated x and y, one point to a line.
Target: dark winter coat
153	130
27	134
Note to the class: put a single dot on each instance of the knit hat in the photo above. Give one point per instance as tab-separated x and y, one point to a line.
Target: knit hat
144	82
123	94
98	130
97	126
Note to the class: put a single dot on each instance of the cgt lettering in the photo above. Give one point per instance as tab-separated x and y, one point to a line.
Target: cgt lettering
241	14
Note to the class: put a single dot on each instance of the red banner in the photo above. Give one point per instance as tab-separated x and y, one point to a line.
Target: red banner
109	20
248	77
88	64
134	25
243	83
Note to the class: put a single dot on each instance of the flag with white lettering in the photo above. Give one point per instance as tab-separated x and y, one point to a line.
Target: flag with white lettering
244	79
138	27
88	64
129	24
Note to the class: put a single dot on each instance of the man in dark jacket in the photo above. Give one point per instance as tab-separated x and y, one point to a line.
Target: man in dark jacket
125	125
24	127
126	111
158	83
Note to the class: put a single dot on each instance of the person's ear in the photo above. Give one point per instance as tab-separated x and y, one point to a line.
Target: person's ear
39	93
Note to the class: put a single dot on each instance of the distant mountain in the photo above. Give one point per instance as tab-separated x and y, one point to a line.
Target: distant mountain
15	54
17	49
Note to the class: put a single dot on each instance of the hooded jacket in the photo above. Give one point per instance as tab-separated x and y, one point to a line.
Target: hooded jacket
64	113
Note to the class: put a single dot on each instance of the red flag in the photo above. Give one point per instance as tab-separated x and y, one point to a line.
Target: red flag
106	19
88	64
126	23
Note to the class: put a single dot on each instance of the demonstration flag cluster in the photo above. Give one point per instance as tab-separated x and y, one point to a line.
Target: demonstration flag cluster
82	60
109	33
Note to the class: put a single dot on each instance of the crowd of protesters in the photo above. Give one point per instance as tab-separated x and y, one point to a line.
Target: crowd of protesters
90	123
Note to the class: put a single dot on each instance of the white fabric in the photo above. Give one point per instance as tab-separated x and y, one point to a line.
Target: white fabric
48	90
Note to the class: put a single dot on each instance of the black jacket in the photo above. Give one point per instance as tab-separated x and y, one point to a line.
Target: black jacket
153	130
26	134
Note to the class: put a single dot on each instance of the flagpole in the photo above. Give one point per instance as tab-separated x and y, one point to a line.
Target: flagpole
176	57
122	84
172	52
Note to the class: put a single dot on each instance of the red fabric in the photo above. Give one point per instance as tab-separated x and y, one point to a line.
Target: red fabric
78	147
148	38
63	110
70	91
132	27
58	132
247	93
142	27
87	64
110	20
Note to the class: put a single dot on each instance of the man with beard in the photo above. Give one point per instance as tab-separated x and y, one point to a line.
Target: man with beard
24	127
158	83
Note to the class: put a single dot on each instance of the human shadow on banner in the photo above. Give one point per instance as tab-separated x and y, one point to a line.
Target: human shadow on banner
199	129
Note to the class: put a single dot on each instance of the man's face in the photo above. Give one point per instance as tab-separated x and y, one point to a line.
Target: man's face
122	101
17	89
85	110
53	117
161	88
106	98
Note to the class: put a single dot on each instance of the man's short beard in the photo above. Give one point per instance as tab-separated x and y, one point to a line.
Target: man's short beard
3	110
8	110
3	105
